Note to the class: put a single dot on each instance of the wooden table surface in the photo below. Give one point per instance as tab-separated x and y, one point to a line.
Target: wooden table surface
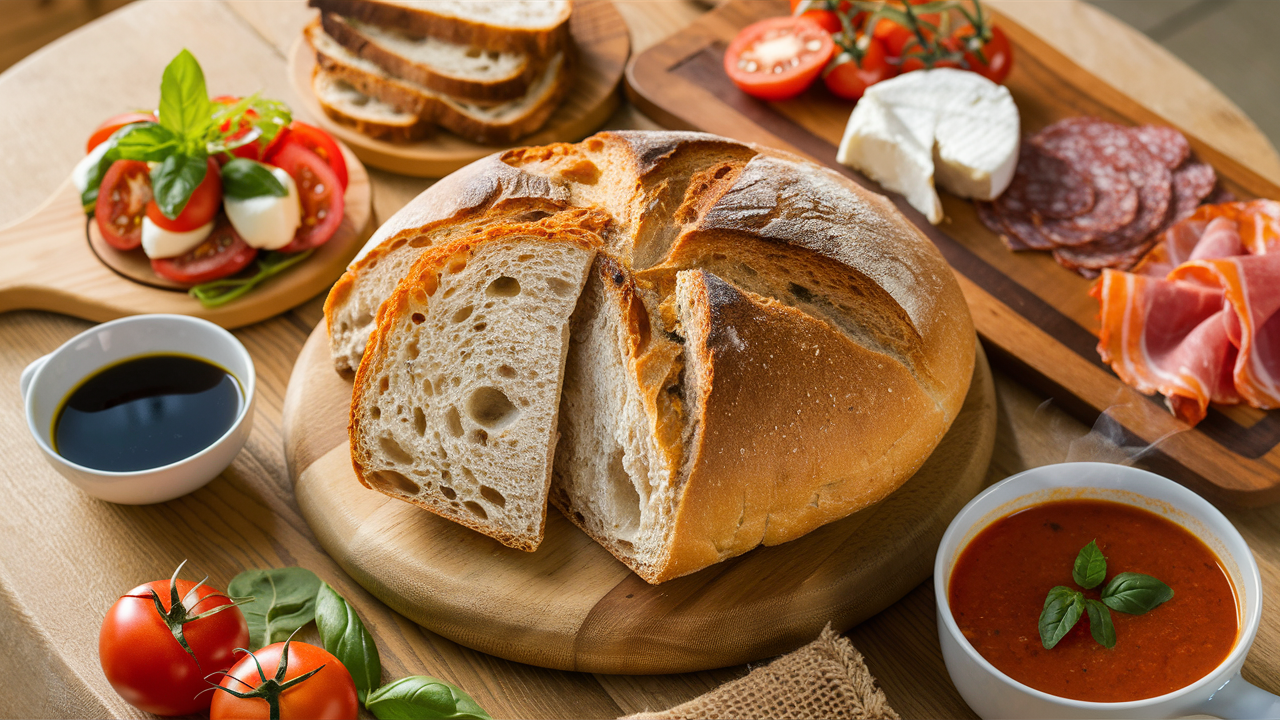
66	557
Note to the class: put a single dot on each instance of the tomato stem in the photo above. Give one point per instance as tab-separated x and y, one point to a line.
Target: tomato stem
177	615
271	688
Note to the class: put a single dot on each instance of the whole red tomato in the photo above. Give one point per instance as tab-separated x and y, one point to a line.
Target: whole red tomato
848	78
143	660
328	693
997	54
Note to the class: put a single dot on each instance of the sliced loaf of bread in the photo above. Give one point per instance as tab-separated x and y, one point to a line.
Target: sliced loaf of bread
455	404
379	120
536	27
461	71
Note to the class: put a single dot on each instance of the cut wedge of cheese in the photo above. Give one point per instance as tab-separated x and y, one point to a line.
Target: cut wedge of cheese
950	126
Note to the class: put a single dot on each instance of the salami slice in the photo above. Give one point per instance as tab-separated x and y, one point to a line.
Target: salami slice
1049	186
1193	181
1167	144
990	217
1115	205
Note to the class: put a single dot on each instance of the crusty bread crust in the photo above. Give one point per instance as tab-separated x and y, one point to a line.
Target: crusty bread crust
402	132
499	89
540	42
808	345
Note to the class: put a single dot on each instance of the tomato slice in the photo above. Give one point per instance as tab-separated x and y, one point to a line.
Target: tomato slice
223	253
112	124
848	78
122	202
778	58
317	141
204	203
318	191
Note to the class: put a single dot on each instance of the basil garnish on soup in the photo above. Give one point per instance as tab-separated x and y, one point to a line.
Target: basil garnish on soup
1128	592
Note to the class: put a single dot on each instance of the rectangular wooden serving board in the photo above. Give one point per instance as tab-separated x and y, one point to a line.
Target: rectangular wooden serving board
1035	317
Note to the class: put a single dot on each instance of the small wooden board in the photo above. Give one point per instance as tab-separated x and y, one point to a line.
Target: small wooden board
1035	317
51	263
571	605
602	44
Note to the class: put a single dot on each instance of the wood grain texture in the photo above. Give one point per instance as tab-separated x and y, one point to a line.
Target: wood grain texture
1037	316
602	47
56	260
570	605
59	540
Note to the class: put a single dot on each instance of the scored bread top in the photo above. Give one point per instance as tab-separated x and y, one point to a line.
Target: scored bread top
789	333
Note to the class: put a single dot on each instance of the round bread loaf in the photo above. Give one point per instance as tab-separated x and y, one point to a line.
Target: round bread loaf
761	347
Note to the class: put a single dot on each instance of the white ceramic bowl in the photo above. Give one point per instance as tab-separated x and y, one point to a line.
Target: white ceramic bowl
992	694
47	382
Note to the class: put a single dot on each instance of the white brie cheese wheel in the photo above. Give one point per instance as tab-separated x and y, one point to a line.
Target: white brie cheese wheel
267	222
160	243
954	127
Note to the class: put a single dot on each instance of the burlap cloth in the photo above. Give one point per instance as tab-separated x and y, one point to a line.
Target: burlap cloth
824	679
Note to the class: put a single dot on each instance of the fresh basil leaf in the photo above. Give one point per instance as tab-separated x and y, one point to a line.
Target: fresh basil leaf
284	599
1135	593
184	101
1091	566
220	292
1062	610
342	634
177	177
243	179
148	142
423	698
109	154
1100	623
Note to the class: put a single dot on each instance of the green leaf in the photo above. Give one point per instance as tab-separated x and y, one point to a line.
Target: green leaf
184	101
1062	610
342	634
422	698
1100	624
284	600
243	179
1091	566
220	292
1135	593
109	155
148	142
177	177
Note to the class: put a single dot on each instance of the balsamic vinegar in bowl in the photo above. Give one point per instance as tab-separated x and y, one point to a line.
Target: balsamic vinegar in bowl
146	412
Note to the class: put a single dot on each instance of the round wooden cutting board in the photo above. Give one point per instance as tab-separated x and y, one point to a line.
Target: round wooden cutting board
603	45
570	605
52	262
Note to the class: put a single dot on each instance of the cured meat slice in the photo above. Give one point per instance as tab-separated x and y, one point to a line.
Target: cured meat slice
1047	186
1221	239
1182	351
1165	143
1193	181
1115	205
1256	221
1249	284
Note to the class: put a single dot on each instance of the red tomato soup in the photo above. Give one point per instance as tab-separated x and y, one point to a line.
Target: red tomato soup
999	583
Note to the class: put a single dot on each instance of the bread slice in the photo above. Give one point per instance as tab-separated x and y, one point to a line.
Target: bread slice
460	71
486	124
536	27
348	106
455	405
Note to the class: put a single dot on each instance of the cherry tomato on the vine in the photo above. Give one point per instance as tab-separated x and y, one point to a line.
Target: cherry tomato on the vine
997	52
848	78
329	694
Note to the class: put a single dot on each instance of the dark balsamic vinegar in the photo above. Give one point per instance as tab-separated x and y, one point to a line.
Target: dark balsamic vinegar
146	412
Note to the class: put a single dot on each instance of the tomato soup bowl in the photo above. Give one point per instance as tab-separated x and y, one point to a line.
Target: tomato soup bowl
993	694
48	381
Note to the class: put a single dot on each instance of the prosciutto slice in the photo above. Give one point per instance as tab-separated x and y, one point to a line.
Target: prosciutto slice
1199	318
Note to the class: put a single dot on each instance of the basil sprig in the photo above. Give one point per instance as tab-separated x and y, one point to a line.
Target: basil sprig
419	696
284	600
342	634
1128	592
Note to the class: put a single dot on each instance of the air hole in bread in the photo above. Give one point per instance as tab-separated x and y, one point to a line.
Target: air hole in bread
384	383
595	145
802	293
724	170
463	313
397	244
524	258
393	451
468	475
417	318
504	286
373	263
479	326
485	67
392	480
426	387
453	422
411	350
375	412
622	496
719	256
494	55
449	293
457	265
474	52
560	287
448	492
420	241
639	325
476	509
492	496
506	371
419	422
480	437
625	545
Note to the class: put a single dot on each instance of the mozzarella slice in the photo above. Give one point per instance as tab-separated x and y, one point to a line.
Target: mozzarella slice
950	125
267	222
160	243
80	175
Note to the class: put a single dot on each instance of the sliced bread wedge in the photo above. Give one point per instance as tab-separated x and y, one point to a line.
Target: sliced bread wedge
536	27
379	120
455	405
487	124
460	71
